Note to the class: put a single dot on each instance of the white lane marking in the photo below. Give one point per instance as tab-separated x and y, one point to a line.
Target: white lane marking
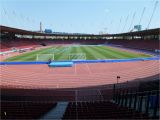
89	70
75	69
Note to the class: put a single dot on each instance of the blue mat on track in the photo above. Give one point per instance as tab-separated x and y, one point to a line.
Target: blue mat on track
60	64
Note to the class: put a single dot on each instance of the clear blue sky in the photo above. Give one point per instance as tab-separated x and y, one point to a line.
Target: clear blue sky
78	16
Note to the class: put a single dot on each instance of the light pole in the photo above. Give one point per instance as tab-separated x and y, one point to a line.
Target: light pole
118	77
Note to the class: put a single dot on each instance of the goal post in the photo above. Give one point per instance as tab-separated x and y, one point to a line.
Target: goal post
77	56
44	57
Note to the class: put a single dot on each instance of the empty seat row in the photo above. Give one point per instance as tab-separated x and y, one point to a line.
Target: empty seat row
24	109
100	110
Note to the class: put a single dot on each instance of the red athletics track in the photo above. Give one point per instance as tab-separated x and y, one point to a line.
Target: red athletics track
80	75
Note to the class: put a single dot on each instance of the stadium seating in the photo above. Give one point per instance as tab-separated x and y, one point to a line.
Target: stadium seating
145	99
24	110
100	110
7	45
137	44
127	102
20	43
26	42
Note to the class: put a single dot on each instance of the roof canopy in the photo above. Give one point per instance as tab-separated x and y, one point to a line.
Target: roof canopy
5	29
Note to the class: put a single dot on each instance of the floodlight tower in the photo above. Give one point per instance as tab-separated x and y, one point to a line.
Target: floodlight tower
142	15
154	9
40	26
130	27
125	23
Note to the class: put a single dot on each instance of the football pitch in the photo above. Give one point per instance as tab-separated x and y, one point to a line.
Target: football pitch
76	52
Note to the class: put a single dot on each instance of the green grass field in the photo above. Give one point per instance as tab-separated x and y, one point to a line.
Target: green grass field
90	52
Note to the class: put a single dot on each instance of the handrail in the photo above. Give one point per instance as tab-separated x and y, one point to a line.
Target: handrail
144	92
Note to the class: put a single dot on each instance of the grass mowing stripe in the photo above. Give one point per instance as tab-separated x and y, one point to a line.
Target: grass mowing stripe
59	54
31	56
74	50
26	55
92	52
79	50
114	53
88	52
64	54
97	53
123	53
106	54
117	53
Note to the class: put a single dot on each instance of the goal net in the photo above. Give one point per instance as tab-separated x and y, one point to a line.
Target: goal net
44	57
77	56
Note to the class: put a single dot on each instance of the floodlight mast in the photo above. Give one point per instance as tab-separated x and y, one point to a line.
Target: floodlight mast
154	9
125	24
142	15
132	22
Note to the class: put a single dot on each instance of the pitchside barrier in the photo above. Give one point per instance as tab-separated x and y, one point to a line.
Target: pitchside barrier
82	61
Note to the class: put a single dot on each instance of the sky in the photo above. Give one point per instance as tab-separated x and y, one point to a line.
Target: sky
79	16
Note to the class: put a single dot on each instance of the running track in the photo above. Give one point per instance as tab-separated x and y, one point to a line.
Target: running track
80	75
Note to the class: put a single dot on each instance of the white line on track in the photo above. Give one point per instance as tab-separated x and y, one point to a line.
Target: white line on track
75	69
89	70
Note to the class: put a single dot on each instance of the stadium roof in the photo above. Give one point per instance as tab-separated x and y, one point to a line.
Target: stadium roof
5	29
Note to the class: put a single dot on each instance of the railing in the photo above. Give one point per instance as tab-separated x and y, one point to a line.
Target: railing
145	102
50	95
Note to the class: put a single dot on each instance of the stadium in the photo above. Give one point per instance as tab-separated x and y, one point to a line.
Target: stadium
63	75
